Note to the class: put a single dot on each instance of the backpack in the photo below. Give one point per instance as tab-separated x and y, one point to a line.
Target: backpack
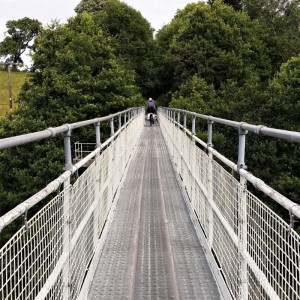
151	104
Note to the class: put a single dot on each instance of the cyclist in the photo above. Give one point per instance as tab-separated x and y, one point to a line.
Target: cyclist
151	109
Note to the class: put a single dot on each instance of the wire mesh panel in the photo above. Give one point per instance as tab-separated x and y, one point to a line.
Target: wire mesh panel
201	167
228	257
275	248
226	195
32	254
82	197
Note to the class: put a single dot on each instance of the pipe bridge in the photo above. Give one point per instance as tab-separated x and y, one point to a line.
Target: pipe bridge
155	213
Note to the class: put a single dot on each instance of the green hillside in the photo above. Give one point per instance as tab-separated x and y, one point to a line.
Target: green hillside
18	79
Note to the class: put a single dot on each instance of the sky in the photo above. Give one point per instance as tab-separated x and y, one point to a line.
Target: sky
157	12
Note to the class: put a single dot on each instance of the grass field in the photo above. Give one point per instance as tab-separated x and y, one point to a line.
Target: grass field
17	79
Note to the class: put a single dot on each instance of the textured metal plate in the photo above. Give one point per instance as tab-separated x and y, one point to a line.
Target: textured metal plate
152	250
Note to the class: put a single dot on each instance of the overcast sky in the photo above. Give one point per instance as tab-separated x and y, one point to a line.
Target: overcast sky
157	12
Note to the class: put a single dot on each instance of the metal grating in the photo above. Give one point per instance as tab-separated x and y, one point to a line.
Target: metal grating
152	250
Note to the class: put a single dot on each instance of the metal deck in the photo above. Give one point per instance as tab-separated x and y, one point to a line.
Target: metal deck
152	250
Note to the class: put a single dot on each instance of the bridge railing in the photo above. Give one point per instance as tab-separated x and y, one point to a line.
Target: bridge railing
49	256
257	252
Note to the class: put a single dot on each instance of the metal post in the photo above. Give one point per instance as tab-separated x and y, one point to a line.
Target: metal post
243	290
241	154
98	135
9	86
178	118
209	133
112	129
120	121
210	190
193	126
67	217
67	147
184	121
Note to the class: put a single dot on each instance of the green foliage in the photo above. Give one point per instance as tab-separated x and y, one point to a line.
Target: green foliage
19	35
91	6
75	76
214	42
132	37
84	79
218	61
282	109
194	95
236	4
280	20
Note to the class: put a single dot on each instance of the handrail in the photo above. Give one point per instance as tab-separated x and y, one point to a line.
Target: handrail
50	132
257	251
292	136
292	207
53	186
64	235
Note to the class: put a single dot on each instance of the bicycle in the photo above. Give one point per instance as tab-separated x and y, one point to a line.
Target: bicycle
151	119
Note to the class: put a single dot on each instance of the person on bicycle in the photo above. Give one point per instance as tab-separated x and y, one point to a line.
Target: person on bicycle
151	108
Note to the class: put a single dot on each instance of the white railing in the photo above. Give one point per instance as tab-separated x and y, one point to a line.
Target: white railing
49	256
83	149
258	253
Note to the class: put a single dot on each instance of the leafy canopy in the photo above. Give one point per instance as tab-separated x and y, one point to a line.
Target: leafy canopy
132	37
214	42
19	35
76	76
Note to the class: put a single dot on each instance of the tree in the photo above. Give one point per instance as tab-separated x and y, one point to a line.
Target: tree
78	72
281	22
20	34
282	109
215	43
236	4
75	76
194	95
132	36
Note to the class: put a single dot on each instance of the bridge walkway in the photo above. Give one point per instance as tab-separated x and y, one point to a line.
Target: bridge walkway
152	250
